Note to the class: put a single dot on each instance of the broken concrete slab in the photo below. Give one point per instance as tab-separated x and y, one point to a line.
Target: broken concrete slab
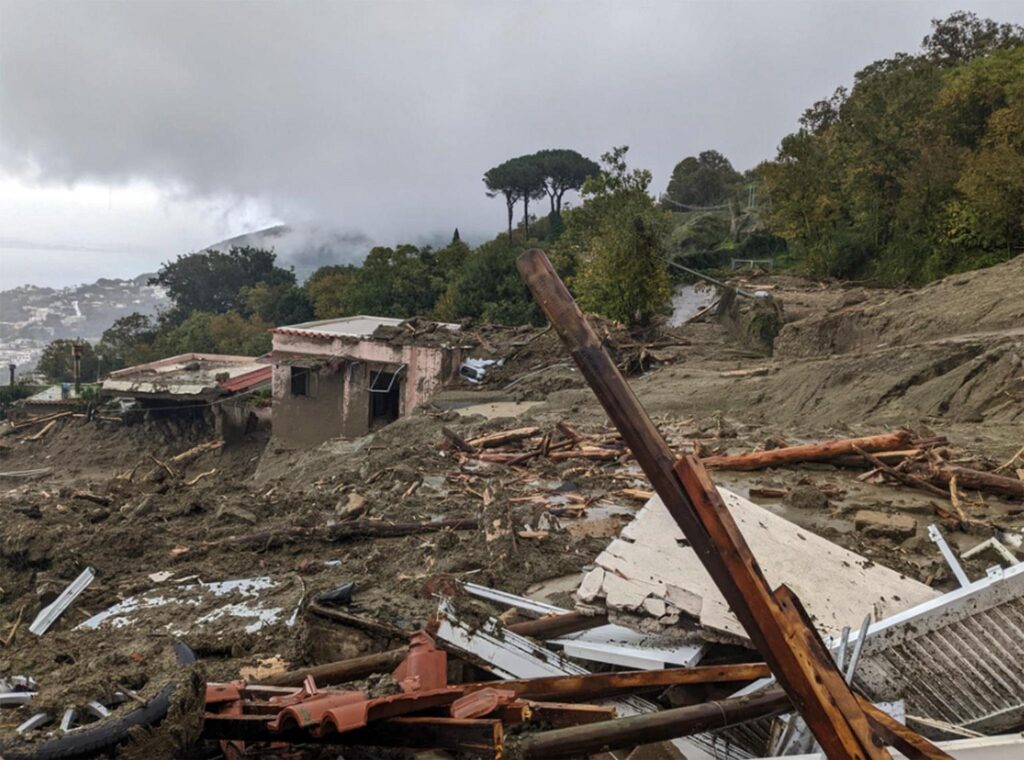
652	560
876	524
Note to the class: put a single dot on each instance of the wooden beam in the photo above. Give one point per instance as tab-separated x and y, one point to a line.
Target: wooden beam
556	626
814	684
907	741
600	685
562	714
644	729
341	671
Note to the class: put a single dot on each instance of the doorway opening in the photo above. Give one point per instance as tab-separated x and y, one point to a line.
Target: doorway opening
385	399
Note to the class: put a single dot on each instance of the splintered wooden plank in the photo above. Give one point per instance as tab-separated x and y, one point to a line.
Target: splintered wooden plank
601	685
910	743
813	683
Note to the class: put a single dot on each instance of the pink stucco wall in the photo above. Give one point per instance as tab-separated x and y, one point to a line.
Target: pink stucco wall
427	368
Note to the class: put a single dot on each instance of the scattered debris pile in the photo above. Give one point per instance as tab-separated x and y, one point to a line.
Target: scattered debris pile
532	585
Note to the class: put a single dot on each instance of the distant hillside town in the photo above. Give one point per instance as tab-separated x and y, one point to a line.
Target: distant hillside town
31	317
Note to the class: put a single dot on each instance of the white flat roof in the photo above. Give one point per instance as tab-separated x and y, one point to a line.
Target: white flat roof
360	326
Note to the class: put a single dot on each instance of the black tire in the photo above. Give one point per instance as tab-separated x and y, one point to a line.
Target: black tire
90	742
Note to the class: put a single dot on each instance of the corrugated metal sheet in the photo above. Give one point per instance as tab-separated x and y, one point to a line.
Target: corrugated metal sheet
361	326
958	658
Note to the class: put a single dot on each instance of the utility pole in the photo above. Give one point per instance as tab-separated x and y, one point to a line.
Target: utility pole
76	360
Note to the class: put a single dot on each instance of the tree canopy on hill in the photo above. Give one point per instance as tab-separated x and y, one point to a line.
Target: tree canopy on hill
550	173
57	365
216	281
704	180
918	170
615	242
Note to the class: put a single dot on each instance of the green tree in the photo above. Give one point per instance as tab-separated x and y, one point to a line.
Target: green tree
214	281
617	239
962	36
563	170
328	289
488	287
550	173
502	180
127	342
449	260
281	304
914	172
529	175
705	180
207	333
57	365
12	393
395	282
984	223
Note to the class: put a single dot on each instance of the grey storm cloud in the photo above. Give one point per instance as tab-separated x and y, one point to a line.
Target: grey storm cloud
381	117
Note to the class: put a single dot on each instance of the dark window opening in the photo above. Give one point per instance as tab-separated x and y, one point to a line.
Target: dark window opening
300	381
385	399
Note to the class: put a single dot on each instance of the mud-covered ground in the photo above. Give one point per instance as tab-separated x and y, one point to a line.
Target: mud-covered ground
945	360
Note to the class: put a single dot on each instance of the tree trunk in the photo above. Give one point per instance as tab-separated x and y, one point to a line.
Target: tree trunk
510	204
526	214
811	452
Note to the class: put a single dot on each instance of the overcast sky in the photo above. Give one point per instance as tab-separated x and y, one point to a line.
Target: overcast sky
131	132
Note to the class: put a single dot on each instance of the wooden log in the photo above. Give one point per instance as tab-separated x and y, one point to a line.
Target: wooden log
569	431
500	438
811	452
346	618
344	531
588	452
639	494
581	741
341	671
813	682
976	480
768	493
457	440
37	420
46	429
195	451
554	626
889	457
95	498
602	685
506	457
903	477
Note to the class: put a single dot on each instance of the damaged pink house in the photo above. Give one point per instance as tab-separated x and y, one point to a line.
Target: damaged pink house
347	377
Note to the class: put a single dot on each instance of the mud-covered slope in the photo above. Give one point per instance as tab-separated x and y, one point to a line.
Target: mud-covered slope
975	381
984	301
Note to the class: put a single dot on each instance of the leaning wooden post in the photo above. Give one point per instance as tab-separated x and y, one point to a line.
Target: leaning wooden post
790	646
